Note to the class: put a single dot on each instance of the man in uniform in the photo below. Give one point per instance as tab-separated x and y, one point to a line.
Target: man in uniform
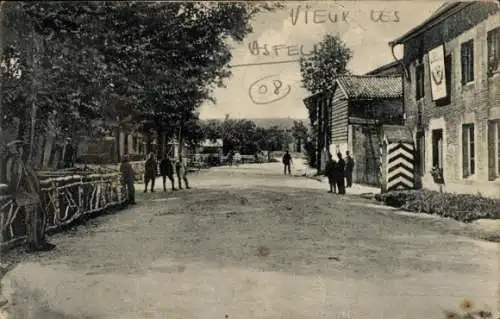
128	179
287	161
181	168
68	154
330	173
167	170
349	168
24	186
340	172
150	173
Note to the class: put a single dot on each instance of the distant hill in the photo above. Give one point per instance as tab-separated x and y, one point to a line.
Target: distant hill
280	122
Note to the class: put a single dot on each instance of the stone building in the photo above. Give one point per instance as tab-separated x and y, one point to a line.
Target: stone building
451	88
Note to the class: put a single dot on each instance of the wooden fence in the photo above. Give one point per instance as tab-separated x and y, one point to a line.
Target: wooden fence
65	198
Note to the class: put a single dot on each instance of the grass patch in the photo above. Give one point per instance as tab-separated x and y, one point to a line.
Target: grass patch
461	207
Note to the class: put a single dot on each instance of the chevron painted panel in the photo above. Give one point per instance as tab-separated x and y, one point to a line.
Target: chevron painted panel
400	166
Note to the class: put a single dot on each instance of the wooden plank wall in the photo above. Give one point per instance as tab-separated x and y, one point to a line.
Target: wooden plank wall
339	118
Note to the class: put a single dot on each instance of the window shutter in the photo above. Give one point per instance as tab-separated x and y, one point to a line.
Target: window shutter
491	150
465	152
448	74
471	61
463	62
472	151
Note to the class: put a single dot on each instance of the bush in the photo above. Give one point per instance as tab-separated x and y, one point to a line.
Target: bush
462	207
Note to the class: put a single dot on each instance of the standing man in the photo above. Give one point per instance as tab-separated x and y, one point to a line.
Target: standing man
181	168
150	173
287	161
24	185
340	169
68	154
330	172
167	170
128	179
230	157
237	158
349	168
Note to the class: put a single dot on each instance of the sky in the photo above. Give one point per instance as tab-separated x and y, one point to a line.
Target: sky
291	35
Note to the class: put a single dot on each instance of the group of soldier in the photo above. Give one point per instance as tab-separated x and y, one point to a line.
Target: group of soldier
167	169
339	172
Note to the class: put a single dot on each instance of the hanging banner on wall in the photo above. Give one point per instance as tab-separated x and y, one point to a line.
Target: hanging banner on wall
437	73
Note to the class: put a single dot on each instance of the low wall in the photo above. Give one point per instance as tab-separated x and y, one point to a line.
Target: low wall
65	198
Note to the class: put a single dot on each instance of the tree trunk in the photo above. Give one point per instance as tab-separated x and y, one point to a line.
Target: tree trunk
47	152
31	151
117	139
148	143
159	143
2	37
40	141
181	143
49	141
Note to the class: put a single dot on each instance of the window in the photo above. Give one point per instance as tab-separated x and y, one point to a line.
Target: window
437	148
448	74
467	51
494	149
419	70
494	51
497	153
468	150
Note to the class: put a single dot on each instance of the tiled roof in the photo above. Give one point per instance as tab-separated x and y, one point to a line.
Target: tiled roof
442	11
371	87
397	133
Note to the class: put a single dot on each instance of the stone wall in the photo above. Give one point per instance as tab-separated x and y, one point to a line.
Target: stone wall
470	103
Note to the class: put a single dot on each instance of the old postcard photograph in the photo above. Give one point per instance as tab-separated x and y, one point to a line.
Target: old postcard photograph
249	160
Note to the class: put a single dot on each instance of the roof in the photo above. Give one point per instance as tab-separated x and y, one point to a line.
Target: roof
371	86
387	67
444	11
397	133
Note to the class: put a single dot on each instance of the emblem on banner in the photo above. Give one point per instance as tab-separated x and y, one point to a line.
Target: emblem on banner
438	74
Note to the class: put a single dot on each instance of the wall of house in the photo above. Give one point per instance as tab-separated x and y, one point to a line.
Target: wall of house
387	111
364	145
474	102
339	120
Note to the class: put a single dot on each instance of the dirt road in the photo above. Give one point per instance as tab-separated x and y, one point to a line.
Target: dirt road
248	242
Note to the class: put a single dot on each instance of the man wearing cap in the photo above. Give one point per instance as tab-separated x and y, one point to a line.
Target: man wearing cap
181	168
128	178
349	168
24	185
167	170
68	154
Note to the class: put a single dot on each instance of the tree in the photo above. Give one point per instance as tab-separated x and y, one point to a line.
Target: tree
320	70
161	60
300	133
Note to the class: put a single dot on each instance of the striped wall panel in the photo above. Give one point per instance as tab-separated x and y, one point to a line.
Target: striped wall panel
400	166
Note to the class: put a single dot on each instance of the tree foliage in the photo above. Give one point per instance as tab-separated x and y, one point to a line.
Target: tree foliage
320	69
319	72
245	136
144	62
